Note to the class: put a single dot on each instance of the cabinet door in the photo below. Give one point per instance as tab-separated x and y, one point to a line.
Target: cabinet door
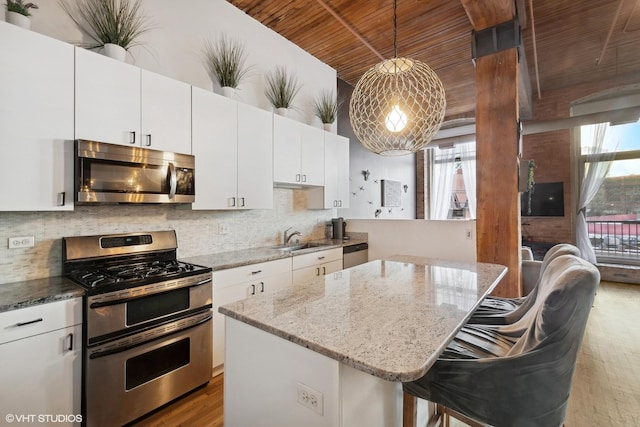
312	155
331	267
215	133
286	150
36	121
305	275
342	181
221	297
331	171
255	158
166	113
42	374
277	282
107	99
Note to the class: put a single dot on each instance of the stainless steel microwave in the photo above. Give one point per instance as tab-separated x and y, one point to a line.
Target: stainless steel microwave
113	173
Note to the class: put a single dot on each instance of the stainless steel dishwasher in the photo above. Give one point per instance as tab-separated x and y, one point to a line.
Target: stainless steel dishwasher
355	254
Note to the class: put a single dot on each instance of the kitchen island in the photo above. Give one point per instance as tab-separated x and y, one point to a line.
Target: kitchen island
335	351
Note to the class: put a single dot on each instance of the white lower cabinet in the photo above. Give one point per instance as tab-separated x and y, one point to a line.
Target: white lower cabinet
41	354
239	283
308	267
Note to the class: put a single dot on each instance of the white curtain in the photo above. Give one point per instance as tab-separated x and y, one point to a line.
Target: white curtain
468	163
594	175
442	184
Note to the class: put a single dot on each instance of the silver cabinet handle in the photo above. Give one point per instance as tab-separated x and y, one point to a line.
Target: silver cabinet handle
261	286
339	203
241	202
173	180
318	271
297	177
304	178
61	197
70	339
132	139
232	201
256	272
148	143
253	289
320	257
324	271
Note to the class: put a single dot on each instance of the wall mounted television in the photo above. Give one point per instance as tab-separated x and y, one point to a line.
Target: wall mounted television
547	199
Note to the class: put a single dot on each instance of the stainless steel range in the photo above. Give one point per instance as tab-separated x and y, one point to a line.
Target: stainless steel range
147	329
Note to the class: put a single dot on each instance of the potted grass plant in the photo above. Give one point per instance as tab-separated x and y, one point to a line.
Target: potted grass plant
325	108
18	13
225	60
114	25
281	90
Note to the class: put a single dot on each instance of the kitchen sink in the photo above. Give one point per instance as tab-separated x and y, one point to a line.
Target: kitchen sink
300	246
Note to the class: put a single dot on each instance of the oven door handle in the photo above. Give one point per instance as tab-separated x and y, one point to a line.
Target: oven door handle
99	354
127	299
173	180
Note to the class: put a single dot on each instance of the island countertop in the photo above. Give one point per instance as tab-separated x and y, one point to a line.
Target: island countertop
389	318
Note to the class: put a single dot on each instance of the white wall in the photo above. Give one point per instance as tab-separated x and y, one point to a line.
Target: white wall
173	47
435	239
365	196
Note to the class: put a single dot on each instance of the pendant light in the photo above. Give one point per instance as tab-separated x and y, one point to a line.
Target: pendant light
398	105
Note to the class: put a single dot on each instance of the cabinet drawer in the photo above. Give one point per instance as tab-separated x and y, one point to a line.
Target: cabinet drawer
233	276
315	258
29	321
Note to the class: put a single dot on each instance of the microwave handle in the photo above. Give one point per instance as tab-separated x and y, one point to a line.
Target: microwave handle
173	181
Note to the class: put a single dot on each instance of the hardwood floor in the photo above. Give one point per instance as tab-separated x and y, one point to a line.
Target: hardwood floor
606	385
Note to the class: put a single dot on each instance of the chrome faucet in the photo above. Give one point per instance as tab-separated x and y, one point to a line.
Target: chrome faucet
288	237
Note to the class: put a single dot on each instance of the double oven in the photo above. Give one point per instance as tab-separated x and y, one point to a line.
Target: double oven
147	323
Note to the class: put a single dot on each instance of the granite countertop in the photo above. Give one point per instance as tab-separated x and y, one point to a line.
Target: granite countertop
28	293
240	258
389	318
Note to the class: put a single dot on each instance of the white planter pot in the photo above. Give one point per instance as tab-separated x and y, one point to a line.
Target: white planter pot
284	112
19	19
114	51
228	91
327	126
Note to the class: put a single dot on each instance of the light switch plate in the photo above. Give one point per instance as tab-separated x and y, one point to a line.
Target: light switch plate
22	242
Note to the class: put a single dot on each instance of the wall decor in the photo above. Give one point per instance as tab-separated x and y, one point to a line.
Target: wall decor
391	193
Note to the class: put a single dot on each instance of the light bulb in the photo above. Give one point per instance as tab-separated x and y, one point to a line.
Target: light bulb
396	120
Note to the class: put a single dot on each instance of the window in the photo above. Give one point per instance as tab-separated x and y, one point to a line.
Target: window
613	215
453	182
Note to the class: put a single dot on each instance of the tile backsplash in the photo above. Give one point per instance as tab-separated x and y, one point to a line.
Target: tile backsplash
197	231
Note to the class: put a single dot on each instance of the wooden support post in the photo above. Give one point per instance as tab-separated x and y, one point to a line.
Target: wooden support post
409	410
498	202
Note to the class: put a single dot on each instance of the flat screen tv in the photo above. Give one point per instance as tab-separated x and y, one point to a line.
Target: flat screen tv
547	199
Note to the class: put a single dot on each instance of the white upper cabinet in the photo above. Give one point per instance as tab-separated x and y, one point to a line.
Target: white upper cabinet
107	99
36	121
233	150
166	113
255	158
335	193
119	103
298	153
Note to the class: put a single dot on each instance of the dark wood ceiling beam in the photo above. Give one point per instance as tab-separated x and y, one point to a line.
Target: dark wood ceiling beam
488	13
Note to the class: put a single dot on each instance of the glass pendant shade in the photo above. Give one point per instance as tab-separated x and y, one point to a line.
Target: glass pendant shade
397	107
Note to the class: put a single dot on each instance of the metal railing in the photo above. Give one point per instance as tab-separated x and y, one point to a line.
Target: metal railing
615	241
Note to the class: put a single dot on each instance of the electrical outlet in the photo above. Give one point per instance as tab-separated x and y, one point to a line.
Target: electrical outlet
223	229
469	235
22	242
310	398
